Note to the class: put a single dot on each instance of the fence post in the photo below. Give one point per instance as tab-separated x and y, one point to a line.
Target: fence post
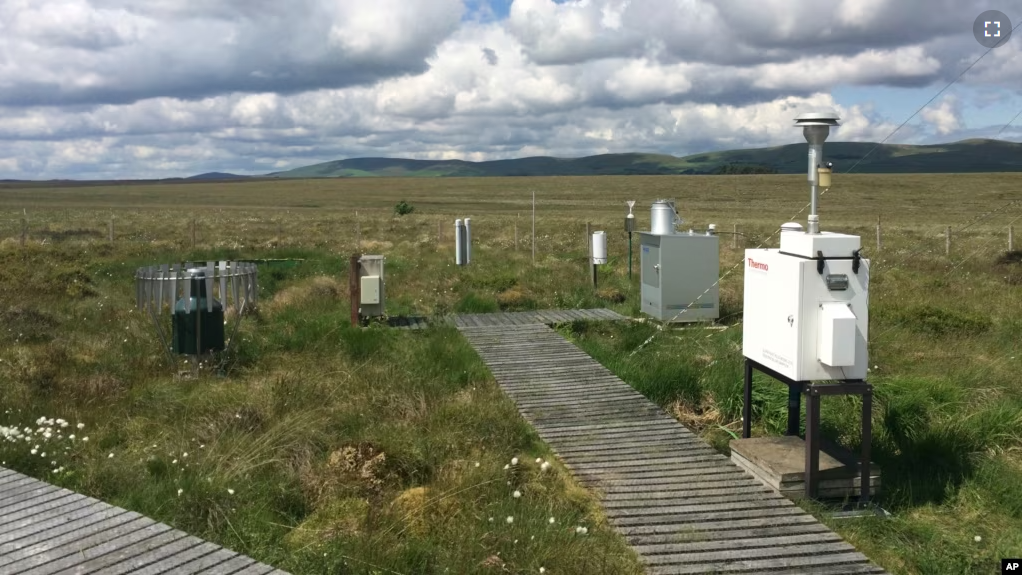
358	234
734	236
533	228
354	289
110	230
589	247
878	233
24	230
947	241
516	232
1011	238
439	231
193	232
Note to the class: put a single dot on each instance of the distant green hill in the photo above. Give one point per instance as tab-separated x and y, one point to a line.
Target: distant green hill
964	156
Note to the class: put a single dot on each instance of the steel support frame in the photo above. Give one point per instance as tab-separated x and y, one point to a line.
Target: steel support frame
813	392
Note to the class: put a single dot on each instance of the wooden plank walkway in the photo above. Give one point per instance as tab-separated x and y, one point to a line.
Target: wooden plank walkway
683	507
534	317
49	530
507	318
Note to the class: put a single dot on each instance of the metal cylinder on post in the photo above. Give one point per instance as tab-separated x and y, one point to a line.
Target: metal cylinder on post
599	247
468	241
662	218
459	243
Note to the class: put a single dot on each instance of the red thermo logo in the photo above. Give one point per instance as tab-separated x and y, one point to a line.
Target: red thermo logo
758	265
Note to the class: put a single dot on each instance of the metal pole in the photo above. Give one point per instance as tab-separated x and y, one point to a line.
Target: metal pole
794	409
533	228
747	401
629	255
516	234
354	289
358	234
867	442
24	230
947	241
734	236
111	230
1011	238
815	159
812	442
589	245
878	233
193	232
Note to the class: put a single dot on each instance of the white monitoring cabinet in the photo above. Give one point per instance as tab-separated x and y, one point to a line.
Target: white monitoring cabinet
807	318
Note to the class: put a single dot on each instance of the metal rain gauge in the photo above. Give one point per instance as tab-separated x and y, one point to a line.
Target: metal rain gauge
198	296
679	272
805	324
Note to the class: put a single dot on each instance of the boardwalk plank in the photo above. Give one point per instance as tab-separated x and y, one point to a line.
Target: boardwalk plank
756	541
64	542
202	565
140	549
178	559
45	529
51	560
236	564
51	526
673	497
746	566
168	553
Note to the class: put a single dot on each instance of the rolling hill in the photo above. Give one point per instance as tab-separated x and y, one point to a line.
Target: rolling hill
957	157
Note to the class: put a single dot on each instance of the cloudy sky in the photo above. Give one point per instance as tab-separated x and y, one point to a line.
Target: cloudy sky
161	88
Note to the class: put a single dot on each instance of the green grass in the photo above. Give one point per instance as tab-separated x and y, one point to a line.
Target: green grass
297	425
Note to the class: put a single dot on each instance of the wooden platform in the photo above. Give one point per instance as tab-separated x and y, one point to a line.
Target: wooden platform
533	317
48	530
684	508
550	317
779	462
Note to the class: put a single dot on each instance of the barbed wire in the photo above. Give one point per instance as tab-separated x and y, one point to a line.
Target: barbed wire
879	339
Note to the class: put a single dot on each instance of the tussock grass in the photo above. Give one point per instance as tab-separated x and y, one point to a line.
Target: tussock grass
355	450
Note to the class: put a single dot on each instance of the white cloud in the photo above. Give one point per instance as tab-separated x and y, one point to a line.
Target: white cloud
945	116
119	88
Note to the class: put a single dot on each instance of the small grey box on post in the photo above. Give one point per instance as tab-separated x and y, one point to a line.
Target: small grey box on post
371	286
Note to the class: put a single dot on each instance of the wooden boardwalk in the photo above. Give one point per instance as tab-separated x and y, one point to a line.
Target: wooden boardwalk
683	507
49	530
511	318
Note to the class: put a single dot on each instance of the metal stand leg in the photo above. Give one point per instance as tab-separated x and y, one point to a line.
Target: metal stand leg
867	441
812	442
794	409
747	401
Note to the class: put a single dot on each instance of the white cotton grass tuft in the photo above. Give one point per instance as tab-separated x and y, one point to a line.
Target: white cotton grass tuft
180	491
552	520
507	466
517	494
514	461
510	519
581	530
544	466
538	460
230	491
978	538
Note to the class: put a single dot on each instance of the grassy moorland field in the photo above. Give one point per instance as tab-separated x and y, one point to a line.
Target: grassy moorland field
327	449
